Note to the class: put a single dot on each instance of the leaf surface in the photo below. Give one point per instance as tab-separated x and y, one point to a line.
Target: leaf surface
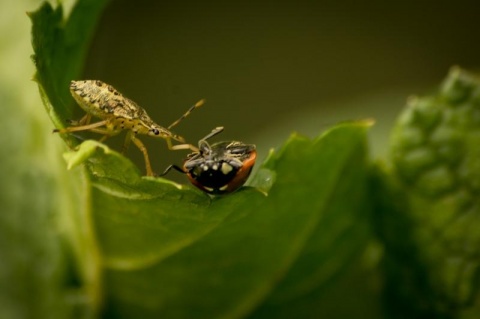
176	252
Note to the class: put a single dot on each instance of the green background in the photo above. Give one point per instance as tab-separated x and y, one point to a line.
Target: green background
268	68
265	69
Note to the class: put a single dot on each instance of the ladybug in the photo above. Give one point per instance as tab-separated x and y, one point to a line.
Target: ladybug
219	168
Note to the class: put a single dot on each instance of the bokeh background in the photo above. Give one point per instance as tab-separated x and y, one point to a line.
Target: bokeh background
265	68
268	68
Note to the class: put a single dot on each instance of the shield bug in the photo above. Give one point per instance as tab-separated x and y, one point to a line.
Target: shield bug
118	113
219	168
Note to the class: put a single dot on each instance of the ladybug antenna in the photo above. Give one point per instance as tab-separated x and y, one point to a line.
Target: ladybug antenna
190	110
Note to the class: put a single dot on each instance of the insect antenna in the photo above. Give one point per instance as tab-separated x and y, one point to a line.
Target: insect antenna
190	110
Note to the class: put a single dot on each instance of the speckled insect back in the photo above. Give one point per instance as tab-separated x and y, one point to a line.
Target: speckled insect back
105	102
219	168
118	113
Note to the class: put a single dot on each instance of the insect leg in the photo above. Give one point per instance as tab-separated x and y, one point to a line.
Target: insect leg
105	132
178	138
88	127
83	121
130	136
143	149
180	146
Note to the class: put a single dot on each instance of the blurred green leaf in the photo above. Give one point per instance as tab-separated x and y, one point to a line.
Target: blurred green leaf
431	215
52	219
34	267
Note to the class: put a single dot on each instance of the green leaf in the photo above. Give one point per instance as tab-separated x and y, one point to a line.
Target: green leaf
433	210
170	250
175	252
51	206
60	45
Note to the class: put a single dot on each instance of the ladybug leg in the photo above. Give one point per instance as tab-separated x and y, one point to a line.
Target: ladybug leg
170	167
214	132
